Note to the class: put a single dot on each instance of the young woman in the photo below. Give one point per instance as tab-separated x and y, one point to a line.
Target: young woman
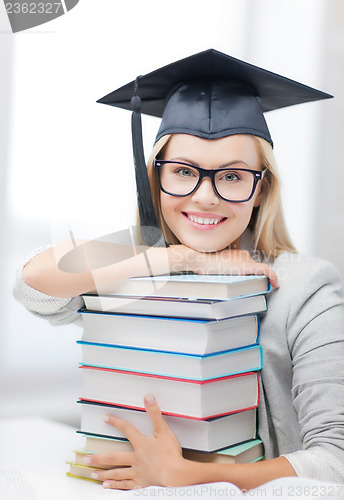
218	204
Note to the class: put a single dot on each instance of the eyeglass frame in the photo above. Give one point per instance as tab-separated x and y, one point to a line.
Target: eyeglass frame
258	175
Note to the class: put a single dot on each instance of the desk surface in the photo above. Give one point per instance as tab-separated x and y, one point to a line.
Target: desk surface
33	455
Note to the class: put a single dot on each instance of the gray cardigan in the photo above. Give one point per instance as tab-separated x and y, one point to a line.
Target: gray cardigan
302	381
301	413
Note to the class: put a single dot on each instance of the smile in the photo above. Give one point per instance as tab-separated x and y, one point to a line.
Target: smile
204	221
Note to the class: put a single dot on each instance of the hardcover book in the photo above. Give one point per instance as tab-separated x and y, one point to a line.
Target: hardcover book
193	434
193	336
180	308
170	364
175	396
193	286
248	452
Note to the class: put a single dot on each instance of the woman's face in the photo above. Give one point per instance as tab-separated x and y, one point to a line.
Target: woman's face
187	216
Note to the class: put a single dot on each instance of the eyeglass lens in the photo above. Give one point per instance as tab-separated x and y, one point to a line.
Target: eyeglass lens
231	184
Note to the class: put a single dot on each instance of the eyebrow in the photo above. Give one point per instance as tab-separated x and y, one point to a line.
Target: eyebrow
224	165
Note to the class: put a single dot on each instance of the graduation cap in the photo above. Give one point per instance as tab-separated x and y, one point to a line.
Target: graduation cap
209	95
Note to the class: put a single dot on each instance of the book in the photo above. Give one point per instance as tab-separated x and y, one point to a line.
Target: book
80	471
79	455
248	452
193	434
190	340
193	286
170	364
180	308
176	396
194	336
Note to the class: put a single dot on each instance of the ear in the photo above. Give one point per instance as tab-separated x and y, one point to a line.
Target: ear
259	196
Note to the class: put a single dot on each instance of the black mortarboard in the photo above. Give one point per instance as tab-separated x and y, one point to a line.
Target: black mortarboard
209	95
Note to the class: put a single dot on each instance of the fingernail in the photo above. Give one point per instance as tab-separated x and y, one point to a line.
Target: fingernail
106	484
150	399
106	418
87	460
94	475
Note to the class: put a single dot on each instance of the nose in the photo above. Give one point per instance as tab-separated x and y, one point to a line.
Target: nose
205	194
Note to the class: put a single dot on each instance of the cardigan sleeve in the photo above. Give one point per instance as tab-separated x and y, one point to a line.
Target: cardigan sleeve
58	311
317	463
316	345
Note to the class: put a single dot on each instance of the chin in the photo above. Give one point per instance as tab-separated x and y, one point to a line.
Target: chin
204	246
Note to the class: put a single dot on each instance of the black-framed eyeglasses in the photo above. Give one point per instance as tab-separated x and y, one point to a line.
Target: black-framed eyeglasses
236	185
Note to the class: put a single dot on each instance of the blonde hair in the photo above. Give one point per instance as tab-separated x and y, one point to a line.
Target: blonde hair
267	222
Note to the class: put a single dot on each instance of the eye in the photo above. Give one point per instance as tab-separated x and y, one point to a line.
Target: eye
230	176
184	172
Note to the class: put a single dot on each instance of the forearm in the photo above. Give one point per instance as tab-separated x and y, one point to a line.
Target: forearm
42	274
66	271
245	476
45	274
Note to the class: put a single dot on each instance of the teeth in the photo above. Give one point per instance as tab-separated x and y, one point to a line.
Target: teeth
200	220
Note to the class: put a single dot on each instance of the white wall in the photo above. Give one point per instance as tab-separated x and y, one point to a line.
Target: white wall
68	158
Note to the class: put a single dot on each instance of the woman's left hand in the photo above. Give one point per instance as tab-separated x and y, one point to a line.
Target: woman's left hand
156	460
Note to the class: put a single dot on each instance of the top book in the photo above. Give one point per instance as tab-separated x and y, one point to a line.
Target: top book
193	286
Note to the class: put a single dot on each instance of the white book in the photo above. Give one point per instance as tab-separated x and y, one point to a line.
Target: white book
176	396
170	364
202	435
180	308
193	336
193	286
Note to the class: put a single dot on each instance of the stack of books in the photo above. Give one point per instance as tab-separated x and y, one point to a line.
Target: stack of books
190	340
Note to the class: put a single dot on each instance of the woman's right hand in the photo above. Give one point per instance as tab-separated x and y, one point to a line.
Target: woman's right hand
227	261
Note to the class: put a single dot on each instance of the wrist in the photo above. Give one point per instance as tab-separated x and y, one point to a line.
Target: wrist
181	258
181	473
186	472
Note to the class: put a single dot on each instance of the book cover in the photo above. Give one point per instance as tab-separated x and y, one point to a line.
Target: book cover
170	364
180	308
193	286
178	396
194	336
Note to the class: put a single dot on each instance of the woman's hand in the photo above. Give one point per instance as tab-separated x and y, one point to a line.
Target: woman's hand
156	460
227	261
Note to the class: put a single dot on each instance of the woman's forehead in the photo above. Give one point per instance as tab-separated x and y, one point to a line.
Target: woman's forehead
241	147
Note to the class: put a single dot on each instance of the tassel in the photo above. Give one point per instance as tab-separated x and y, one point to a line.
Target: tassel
147	213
